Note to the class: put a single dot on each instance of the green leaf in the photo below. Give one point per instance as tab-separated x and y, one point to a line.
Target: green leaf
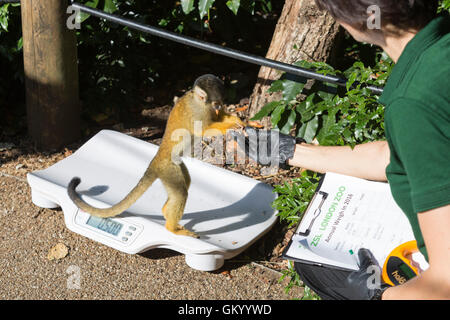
85	16
234	5
309	129
289	123
204	6
276	86
331	119
304	64
163	22
4	16
266	110
291	89
307	109
92	3
4	23
20	44
309	103
351	80
276	115
307	115
110	6
329	128
187	6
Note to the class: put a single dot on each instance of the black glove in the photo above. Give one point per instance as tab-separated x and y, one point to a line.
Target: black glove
267	147
366	283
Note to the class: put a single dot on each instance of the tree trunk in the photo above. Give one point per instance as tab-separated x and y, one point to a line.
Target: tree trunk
51	73
302	33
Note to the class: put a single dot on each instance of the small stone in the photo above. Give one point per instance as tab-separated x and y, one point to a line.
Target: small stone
58	252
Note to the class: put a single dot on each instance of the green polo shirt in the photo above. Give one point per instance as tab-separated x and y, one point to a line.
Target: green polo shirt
417	123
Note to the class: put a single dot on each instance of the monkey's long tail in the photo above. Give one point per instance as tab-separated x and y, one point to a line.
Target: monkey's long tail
143	184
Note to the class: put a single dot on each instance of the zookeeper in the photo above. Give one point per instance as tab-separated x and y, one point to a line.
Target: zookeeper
414	159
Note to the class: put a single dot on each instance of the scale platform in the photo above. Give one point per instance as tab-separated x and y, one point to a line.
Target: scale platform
229	211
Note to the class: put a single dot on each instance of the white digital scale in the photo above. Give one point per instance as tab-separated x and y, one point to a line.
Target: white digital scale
229	211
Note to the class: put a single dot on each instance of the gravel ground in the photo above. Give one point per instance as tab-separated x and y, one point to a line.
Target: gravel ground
28	233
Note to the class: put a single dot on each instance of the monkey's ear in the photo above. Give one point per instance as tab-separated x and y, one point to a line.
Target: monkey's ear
200	93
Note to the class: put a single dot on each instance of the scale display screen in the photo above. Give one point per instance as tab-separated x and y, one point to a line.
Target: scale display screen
107	225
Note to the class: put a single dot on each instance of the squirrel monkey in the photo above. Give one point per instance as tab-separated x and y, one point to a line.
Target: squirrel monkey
202	103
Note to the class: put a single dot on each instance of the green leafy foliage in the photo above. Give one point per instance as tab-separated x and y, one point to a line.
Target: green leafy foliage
118	66
444	5
10	46
234	5
11	67
293	199
111	6
328	113
187	6
117	63
294	279
205	5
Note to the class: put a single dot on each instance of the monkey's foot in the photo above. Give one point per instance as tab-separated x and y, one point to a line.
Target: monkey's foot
181	231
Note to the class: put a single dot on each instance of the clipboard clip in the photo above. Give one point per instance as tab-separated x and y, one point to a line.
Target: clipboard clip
316	212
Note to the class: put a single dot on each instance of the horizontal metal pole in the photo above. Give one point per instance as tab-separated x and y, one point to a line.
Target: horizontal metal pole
231	53
200	44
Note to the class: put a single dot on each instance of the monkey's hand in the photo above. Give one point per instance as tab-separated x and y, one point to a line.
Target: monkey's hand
227	122
238	123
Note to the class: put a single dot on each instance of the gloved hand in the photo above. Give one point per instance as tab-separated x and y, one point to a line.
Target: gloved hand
366	283
267	147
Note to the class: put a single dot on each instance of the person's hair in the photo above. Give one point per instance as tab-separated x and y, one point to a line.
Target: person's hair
402	14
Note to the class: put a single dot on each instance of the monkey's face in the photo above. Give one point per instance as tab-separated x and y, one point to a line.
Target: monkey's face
216	105
210	91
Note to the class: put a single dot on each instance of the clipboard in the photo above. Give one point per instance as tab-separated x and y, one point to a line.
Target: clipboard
317	211
356	213
322	195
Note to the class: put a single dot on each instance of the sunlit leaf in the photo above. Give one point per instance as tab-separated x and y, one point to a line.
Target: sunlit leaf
276	115
110	6
204	6
289	123
309	129
187	6
234	5
266	110
85	16
291	89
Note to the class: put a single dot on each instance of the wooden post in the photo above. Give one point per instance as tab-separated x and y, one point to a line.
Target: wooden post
51	73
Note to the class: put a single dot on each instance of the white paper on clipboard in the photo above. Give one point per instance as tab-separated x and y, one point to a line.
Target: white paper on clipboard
349	213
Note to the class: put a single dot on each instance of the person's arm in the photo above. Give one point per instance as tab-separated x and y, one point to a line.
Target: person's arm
367	161
434	283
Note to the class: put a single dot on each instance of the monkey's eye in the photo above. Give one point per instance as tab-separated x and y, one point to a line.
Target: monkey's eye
216	105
